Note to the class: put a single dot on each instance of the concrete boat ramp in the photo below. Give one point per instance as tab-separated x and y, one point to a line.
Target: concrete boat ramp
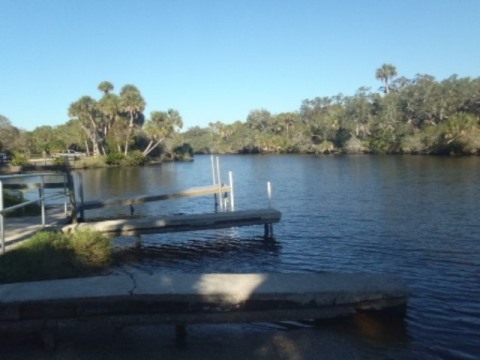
182	299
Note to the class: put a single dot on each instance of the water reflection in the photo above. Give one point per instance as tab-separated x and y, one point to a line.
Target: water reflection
215	252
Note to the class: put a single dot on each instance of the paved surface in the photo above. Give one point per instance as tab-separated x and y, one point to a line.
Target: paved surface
196	298
18	229
212	341
322	288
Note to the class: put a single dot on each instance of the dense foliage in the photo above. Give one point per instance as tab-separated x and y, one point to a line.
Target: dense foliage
420	116
114	125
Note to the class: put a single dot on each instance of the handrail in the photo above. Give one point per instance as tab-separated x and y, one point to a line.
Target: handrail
42	197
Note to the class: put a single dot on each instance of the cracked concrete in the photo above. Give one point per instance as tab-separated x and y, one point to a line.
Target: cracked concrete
132	277
323	293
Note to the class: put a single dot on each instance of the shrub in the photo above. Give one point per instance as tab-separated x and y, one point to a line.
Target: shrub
325	147
114	158
52	255
136	157
60	161
19	159
184	151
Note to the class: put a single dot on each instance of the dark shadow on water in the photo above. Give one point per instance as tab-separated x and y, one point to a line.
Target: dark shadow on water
195	252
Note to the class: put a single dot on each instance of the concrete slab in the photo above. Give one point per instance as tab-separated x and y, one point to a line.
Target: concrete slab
67	289
193	298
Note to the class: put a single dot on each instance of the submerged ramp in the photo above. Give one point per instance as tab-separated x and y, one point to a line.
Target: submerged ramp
161	224
195	298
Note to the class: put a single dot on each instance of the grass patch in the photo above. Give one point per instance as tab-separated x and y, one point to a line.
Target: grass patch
52	255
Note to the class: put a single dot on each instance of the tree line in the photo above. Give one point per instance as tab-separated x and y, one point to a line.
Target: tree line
114	126
416	116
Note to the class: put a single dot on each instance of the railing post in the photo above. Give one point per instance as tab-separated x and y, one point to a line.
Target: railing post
2	230
80	194
214	181
232	197
219	183
65	193
42	198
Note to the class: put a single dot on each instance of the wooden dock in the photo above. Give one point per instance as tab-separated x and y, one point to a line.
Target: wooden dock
176	223
192	192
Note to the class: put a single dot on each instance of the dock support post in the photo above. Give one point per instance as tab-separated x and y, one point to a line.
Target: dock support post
42	197
80	194
268	231
180	334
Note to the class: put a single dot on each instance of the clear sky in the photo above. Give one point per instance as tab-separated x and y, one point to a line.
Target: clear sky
216	60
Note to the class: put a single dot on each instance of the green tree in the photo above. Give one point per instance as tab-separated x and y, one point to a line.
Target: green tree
44	140
108	106
9	134
85	111
384	74
160	126
132	104
105	87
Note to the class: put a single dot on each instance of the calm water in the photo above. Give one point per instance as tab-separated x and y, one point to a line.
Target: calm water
416	217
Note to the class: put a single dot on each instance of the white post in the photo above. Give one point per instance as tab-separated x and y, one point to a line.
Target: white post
219	183
232	196
42	199
2	231
213	171
269	193
214	181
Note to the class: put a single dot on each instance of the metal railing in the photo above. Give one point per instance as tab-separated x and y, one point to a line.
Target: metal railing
40	181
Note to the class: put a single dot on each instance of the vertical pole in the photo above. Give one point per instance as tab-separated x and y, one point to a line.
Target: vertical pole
65	193
219	183
232	195
80	193
214	181
42	199
2	230
269	193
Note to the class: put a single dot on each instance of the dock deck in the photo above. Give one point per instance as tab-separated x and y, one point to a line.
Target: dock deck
175	223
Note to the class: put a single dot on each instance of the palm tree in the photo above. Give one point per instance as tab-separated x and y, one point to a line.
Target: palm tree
105	87
161	126
385	73
86	112
132	104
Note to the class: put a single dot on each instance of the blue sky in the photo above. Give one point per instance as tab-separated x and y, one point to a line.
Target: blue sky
215	60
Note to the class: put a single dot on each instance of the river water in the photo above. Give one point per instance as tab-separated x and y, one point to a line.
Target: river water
412	216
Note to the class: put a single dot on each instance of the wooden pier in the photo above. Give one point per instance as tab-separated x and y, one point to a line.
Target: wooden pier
224	216
192	192
176	223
